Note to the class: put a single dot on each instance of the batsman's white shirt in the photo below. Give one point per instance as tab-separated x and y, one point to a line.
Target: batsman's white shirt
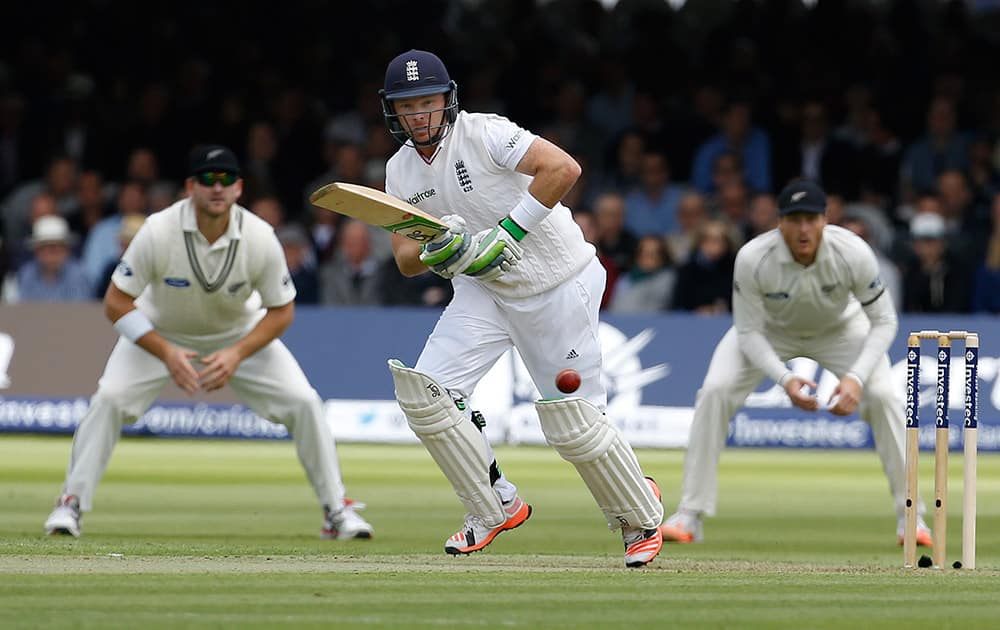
472	175
546	306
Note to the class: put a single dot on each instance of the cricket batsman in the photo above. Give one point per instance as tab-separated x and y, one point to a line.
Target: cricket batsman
524	277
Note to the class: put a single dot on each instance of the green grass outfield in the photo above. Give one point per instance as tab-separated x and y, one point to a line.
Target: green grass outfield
224	534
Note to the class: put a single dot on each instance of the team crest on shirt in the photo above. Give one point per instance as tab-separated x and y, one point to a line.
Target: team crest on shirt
464	181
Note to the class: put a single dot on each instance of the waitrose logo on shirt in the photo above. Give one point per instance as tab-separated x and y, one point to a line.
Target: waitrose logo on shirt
420	196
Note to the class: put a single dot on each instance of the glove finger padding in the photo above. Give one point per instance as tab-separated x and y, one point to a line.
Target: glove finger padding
496	252
450	253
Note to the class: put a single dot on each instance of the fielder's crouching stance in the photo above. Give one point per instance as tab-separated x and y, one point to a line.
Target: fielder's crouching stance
204	279
522	273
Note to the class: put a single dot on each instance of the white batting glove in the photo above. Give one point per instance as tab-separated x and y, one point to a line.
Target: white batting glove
496	251
449	254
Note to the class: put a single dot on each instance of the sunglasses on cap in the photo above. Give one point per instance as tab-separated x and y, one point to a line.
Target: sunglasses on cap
209	178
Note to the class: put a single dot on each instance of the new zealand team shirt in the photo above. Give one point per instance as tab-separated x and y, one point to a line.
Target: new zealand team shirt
473	175
775	295
189	287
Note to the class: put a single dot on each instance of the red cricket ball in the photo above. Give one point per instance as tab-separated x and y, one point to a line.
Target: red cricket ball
568	381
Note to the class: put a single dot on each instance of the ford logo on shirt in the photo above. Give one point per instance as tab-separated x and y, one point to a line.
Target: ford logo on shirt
180	283
777	295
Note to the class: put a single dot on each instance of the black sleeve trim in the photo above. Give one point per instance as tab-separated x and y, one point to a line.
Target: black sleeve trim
874	298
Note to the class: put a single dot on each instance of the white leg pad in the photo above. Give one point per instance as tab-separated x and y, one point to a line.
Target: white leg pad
452	440
582	435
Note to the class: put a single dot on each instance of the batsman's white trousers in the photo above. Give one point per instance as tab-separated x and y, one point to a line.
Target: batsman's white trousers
270	382
731	378
478	326
552	331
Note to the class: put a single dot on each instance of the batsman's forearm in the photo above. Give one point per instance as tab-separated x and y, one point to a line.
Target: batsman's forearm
552	181
275	322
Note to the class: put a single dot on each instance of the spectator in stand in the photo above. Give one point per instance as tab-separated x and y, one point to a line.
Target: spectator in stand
651	208
609	110
270	209
762	217
301	262
934	280
888	271
588	226
143	167
42	205
59	182
623	171
92	203
130	225
649	285
260	177
878	161
983	176
731	203
102	246
53	275
817	154
692	212
614	241
986	291
346	163
570	127
727	169
351	278
705	281
738	136
943	147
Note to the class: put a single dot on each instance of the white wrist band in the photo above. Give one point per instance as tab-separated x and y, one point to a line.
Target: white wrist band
784	378
133	325
529	212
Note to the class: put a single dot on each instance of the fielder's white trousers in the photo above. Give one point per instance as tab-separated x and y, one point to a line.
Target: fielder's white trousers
270	382
731	378
478	327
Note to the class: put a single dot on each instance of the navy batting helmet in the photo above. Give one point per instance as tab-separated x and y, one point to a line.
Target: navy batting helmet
418	73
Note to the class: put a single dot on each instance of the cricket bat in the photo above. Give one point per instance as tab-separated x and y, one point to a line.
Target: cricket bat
377	208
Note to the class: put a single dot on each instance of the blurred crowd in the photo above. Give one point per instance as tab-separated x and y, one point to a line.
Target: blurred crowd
686	122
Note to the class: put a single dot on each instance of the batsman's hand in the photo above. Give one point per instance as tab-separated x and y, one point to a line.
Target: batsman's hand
847	395
798	390
496	252
219	368
178	362
449	254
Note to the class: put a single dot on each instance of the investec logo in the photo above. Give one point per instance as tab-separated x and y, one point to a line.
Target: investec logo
420	196
942	384
971	388
911	387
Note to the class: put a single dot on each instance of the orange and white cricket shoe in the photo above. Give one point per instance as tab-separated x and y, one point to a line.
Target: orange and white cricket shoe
924	538
642	545
474	535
